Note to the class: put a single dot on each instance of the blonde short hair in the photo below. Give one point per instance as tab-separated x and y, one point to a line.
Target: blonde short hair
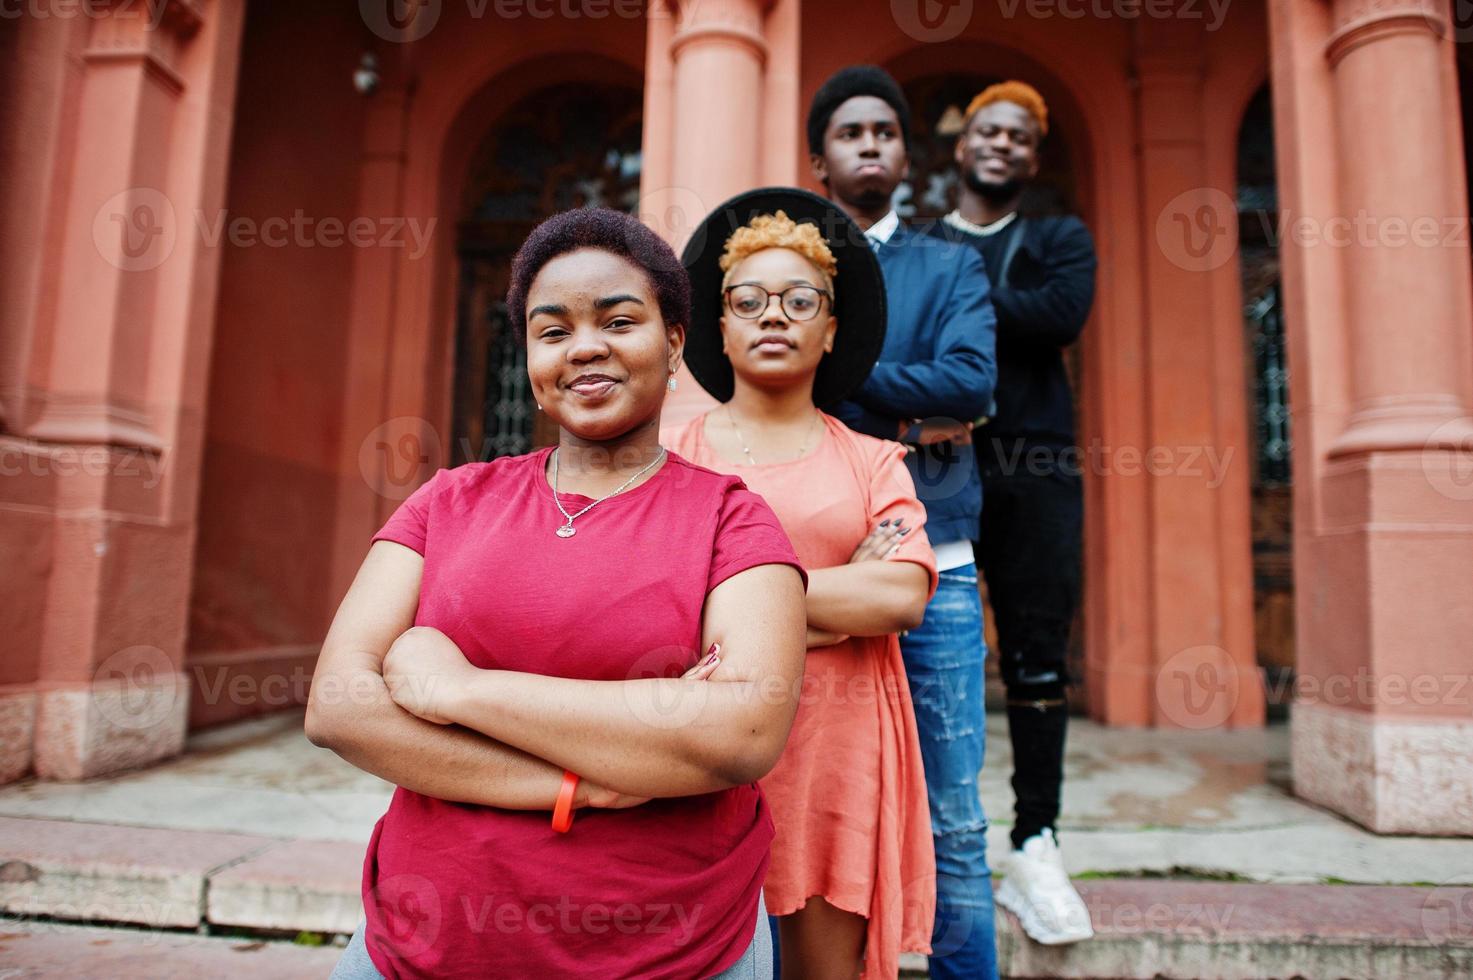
778	231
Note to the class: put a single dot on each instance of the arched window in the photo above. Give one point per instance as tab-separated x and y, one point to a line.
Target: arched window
562	147
1268	382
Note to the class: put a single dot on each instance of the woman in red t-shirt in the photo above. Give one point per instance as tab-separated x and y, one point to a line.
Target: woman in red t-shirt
519	621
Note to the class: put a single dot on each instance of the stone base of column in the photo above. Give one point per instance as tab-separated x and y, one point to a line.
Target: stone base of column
1394	775
17	733
90	730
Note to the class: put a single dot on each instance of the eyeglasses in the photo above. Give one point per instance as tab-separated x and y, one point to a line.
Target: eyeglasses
749	301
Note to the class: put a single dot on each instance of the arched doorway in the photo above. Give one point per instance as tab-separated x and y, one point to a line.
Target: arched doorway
561	147
1267	367
938	103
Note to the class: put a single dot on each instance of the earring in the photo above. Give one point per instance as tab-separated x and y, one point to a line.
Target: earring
539	406
671	383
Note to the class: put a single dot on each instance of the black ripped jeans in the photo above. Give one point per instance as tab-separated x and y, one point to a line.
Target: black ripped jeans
1029	555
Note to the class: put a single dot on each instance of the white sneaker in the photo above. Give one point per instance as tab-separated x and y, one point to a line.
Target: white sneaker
1039	893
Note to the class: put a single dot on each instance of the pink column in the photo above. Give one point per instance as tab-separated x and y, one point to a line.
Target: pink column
1203	672
717	51
1379	316
112	420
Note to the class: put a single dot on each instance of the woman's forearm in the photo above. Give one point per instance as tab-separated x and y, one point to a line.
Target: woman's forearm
443	761
867	598
652	737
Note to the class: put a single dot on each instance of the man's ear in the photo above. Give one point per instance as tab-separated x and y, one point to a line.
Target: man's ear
959	151
820	168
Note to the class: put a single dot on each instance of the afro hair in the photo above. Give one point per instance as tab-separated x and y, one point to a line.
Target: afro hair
845	84
612	231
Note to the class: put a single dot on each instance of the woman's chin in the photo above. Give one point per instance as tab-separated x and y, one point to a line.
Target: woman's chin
777	377
601	424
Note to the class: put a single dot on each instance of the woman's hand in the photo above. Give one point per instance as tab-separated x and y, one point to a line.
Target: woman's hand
881	542
823	638
592	795
424	670
937	430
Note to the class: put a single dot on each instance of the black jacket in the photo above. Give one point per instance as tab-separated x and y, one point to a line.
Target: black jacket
1042	300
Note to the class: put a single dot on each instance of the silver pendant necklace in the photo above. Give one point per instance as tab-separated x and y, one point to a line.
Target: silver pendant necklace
567	530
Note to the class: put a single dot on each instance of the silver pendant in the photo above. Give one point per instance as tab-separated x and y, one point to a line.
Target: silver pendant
566	531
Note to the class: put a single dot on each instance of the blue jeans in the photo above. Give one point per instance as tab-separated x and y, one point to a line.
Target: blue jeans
943	660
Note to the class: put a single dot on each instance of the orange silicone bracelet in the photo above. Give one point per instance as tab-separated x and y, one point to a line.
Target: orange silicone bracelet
562	812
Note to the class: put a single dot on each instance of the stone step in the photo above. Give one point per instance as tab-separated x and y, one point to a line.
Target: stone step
170	879
1147	928
34	949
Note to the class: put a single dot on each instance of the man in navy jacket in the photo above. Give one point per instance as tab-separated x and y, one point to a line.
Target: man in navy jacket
936	372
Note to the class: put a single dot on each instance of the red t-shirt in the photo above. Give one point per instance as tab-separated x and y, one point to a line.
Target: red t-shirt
666	889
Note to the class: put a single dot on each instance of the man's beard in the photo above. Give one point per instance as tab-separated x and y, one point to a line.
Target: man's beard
992	193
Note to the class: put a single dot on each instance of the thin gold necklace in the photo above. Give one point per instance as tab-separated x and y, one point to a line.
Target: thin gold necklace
752	460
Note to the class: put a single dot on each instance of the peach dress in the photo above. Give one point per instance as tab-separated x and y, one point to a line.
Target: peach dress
848	795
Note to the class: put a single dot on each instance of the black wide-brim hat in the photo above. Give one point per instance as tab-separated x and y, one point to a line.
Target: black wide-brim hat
859	292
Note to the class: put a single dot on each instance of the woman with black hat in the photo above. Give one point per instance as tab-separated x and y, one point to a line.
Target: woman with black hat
789	314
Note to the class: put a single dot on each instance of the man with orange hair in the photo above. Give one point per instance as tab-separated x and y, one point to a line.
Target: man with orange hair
1042	271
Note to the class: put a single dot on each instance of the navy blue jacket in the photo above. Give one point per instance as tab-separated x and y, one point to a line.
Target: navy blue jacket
1042	301
938	361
